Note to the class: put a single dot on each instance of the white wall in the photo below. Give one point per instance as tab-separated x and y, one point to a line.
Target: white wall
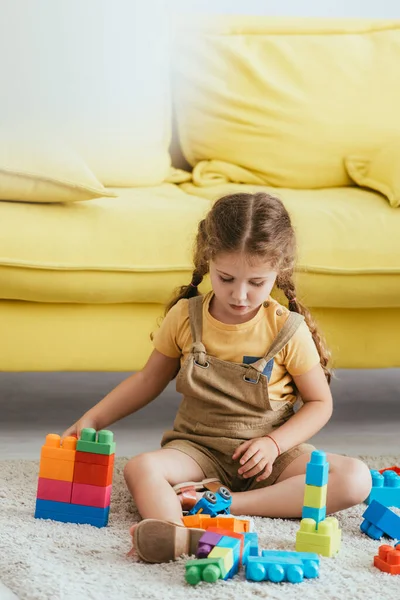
388	9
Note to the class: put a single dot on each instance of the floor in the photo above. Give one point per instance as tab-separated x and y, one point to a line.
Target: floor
365	420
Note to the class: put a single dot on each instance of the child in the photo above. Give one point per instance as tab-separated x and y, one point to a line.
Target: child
241	359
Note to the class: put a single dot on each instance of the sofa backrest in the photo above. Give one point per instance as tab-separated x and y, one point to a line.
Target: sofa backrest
281	102
94	73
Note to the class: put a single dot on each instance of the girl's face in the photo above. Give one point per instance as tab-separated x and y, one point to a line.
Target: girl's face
240	287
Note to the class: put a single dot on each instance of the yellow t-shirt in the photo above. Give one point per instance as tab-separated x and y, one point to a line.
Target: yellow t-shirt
243	343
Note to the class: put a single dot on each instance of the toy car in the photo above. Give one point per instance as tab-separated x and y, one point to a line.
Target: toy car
213	504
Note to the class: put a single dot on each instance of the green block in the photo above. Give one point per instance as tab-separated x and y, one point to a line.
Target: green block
315	496
102	443
204	569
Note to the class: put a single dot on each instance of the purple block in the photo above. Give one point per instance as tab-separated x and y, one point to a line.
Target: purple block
208	540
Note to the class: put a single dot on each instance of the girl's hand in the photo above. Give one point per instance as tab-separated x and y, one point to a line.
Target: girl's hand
77	427
258	456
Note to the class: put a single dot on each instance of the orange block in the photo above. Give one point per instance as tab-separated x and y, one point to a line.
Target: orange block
94	474
54	450
388	560
198	521
62	470
237	525
205	521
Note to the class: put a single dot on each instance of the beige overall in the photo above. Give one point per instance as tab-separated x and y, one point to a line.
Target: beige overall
225	404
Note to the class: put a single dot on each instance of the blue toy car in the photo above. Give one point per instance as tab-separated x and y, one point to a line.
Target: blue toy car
213	504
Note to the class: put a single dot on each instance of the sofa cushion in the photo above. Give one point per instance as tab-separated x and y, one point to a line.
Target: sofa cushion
39	167
282	102
348	244
99	73
380	172
133	248
137	247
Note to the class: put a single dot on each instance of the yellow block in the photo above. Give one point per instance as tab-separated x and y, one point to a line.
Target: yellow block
315	496
225	553
326	540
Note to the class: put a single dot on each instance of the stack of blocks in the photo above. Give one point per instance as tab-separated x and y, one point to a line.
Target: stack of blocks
317	533
75	478
385	487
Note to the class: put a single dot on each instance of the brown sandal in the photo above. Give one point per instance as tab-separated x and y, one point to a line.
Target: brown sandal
158	541
198	485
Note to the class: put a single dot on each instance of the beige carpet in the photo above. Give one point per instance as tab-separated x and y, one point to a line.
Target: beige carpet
42	560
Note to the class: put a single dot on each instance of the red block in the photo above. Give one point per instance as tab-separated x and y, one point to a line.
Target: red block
94	459
91	495
93	474
388	560
54	489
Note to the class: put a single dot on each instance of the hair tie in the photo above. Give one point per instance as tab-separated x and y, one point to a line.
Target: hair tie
192	284
293	299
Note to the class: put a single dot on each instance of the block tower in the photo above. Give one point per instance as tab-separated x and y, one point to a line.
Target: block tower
317	532
75	478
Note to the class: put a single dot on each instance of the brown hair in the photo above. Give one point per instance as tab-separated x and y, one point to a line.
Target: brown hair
258	225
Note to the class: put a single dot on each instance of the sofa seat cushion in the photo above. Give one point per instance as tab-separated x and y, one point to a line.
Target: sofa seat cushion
348	244
133	248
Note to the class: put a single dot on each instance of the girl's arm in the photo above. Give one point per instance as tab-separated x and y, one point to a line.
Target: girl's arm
131	394
312	416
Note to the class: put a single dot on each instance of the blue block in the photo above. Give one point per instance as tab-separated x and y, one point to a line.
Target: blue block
310	560
385	488
317	470
251	538
279	566
318	514
71	513
380	520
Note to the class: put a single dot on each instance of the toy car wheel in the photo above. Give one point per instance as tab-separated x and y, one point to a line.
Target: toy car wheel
210	497
225	493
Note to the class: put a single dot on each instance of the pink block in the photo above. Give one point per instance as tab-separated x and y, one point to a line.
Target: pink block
52	489
91	495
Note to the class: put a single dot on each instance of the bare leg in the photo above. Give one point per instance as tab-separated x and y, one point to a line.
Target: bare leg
150	477
349	484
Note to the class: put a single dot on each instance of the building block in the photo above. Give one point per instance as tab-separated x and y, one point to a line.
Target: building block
315	496
277	566
395	469
71	513
317	469
318	514
388	559
205	522
385	488
236	546
54	489
226	554
94	474
61	470
380	520
91	495
94	459
208	540
204	569
97	443
230	533
250	546
54	450
325	540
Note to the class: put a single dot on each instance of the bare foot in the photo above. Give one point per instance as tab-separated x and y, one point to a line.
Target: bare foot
132	531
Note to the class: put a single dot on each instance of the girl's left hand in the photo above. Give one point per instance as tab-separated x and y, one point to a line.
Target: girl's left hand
258	457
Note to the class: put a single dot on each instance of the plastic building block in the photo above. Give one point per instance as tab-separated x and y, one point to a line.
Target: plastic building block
53	449
71	513
385	488
62	470
208	540
317	469
388	559
94	459
235	545
91	495
94	474
315	496
54	489
204	569
395	469
237	525
97	443
250	547
213	504
318	514
325	540
280	566
205	522
226	554
380	520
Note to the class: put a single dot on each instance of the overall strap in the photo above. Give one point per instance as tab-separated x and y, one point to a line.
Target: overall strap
289	328
196	327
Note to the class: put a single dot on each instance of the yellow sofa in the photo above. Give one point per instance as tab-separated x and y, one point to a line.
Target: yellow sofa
287	106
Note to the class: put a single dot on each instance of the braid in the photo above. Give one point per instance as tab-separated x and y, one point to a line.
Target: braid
286	284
